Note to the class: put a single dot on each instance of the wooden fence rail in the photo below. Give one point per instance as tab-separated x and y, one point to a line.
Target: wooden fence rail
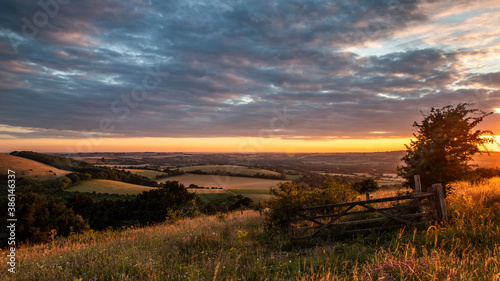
345	218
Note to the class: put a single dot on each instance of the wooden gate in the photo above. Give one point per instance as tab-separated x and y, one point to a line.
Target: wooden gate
365	216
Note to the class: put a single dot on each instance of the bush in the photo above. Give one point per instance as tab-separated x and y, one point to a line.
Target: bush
366	185
291	195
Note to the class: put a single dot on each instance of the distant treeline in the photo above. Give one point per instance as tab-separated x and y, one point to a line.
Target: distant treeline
281	176
170	173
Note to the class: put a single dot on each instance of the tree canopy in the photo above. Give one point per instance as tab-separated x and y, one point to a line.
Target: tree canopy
445	142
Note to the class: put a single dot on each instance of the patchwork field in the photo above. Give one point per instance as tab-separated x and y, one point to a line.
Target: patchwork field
28	168
229	168
108	186
150	174
225	182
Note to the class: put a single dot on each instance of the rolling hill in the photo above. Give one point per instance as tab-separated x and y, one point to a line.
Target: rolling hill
28	168
108	186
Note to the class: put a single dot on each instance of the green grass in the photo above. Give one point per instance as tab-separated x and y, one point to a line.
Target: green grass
237	247
258	197
249	191
292	177
207	197
150	174
108	186
225	182
229	168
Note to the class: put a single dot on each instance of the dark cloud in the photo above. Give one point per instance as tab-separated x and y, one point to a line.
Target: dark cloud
220	68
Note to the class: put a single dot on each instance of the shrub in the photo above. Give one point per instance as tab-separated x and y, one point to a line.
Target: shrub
366	185
291	195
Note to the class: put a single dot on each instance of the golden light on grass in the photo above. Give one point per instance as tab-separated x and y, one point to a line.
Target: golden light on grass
235	246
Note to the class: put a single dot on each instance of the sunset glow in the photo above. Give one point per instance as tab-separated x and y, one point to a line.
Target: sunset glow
232	145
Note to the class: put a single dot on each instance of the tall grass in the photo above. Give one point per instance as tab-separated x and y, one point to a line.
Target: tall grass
235	247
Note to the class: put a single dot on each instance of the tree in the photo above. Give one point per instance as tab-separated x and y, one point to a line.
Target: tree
366	185
445	142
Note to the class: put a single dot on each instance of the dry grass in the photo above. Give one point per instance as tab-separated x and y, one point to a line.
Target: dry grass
236	247
27	168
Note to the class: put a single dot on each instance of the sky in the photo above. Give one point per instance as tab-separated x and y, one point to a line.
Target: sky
240	75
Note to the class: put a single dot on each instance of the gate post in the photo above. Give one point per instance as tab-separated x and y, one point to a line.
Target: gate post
439	205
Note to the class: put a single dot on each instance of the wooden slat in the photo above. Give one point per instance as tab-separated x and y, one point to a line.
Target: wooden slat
378	200
405	206
335	218
357	222
387	214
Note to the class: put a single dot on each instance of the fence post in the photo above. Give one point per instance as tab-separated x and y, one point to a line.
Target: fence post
418	184
439	204
418	189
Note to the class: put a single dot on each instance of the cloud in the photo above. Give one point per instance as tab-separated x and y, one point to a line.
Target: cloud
228	66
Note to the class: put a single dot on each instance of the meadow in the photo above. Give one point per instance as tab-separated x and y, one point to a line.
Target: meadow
108	186
236	247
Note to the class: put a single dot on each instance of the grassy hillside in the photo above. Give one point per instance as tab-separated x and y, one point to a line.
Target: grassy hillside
150	174
234	169
236	247
27	168
108	186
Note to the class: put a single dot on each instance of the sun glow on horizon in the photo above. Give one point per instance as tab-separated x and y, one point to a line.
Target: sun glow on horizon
222	144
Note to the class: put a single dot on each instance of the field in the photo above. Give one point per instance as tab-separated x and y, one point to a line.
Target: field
236	247
108	186
254	188
229	168
26	168
254	194
150	174
207	197
225	182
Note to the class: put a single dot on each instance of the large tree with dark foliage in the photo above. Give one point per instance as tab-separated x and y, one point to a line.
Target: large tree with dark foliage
444	144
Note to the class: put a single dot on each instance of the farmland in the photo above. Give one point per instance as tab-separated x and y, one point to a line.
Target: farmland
234	169
27	168
225	182
150	174
253	188
108	186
